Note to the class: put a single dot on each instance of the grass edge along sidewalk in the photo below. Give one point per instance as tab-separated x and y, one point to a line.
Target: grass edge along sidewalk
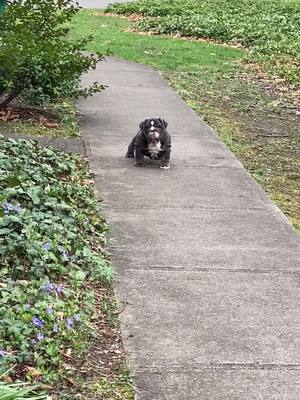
55	333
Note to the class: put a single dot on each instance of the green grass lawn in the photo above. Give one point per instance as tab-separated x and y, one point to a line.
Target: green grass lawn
110	35
270	28
257	122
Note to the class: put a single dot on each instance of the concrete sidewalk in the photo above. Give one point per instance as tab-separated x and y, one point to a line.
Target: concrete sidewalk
208	265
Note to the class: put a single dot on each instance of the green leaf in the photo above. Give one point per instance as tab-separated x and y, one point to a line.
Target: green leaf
4	231
13	181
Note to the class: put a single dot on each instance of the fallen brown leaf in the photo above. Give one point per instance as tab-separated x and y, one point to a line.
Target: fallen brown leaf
14	116
7	116
70	381
33	372
46	387
88	182
7	379
68	353
45	122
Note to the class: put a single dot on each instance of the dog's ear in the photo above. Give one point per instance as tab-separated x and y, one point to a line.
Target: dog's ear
142	125
164	123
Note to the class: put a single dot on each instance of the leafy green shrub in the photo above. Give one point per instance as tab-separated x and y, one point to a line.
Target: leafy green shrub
151	8
52	242
271	29
38	59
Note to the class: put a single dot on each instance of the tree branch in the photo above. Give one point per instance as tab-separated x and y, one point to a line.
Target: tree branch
15	93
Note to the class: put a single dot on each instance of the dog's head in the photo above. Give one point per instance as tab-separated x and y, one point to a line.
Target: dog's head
152	128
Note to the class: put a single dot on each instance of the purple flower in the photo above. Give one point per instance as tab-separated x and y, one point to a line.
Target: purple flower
7	207
50	287
49	310
70	323
55	328
46	246
58	289
2	353
38	322
40	337
77	317
18	208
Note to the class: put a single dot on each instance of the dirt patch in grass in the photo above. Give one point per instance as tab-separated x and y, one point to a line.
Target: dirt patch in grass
132	17
286	94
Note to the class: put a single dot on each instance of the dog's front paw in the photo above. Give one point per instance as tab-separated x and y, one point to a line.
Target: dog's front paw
165	165
129	155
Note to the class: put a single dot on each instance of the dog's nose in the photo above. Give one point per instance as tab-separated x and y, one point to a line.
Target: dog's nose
152	128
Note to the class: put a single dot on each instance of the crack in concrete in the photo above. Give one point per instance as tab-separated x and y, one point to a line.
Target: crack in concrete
187	368
212	270
183	207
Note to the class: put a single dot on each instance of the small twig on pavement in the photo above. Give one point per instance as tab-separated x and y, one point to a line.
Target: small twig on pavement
272	136
124	306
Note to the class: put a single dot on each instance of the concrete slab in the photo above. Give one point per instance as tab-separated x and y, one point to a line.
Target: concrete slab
151	100
213	383
110	64
232	259
134	78
209	188
178	317
180	236
104	124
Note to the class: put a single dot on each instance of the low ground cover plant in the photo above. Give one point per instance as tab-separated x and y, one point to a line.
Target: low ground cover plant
52	254
270	29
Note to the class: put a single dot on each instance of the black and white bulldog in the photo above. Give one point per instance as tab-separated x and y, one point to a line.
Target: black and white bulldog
152	141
